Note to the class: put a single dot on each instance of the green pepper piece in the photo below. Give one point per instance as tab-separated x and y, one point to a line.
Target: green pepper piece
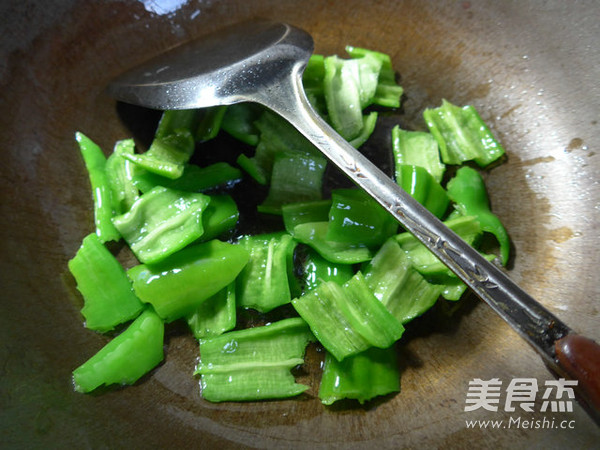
316	269
314	234
462	135
417	148
95	163
358	219
305	212
193	178
167	155
397	284
312	77
342	97
179	119
312	81
253	168
388	92
426	263
280	134
119	174
106	290
277	136
215	315
362	377
239	120
162	222
294	178
210	123
467	190
221	215
203	124
350	86
421	186
348	319
180	283
369	122
452	287
126	358
264	283
254	363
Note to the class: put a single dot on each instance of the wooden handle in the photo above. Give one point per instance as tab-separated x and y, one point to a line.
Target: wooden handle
579	357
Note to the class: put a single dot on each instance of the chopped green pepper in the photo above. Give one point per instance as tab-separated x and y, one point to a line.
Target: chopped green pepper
173	120
95	163
180	283
428	265
120	178
467	190
167	155
358	219
254	168
312	80
193	178
316	269
388	92
453	287
350	86
126	358
348	319
254	363
294	178
369	123
202	124
314	234
462	135
396	283
239	120
215	315
421	186
305	212
277	136
221	215
281	135
264	283
162	222
361	377
308	223
209	123
417	148
107	292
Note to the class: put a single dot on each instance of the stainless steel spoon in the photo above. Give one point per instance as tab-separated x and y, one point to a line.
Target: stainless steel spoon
263	62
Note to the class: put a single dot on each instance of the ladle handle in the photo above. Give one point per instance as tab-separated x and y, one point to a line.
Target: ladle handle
579	358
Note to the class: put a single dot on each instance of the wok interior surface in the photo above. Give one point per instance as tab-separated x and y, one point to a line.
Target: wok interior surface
530	68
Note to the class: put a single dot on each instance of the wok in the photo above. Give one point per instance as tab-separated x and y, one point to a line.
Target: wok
530	68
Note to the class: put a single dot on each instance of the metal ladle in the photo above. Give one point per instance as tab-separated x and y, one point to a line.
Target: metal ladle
263	62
